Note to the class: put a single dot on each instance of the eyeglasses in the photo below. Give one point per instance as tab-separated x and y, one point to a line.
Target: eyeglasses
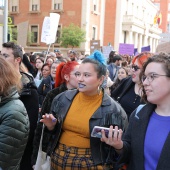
135	67
151	76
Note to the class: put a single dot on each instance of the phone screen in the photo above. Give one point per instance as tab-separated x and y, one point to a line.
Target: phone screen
97	132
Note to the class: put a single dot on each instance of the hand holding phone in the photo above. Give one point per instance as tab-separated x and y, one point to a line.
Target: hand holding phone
96	132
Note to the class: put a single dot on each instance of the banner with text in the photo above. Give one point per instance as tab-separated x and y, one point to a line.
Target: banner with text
126	49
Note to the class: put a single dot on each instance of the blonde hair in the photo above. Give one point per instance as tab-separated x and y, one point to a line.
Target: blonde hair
9	77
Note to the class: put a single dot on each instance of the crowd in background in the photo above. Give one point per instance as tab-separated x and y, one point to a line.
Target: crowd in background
72	94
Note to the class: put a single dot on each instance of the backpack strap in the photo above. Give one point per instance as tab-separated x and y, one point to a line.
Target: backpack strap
138	109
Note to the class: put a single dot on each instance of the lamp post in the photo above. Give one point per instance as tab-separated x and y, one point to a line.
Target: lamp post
5	33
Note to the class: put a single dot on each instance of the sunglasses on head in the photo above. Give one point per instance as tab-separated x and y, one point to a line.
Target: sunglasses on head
57	51
135	67
73	52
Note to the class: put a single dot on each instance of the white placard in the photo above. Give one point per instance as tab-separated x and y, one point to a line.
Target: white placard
45	30
106	50
49	28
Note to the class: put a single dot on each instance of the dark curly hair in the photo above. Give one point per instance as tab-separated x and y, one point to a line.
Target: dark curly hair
161	58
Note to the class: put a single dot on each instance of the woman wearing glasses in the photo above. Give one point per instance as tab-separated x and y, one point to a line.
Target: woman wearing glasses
146	143
128	92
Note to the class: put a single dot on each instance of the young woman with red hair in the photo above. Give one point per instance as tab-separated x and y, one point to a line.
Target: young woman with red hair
128	93
65	80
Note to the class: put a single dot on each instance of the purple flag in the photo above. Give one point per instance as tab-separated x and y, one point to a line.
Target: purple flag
147	48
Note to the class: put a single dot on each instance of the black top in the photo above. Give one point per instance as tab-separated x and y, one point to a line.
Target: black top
45	109
130	101
125	95
46	85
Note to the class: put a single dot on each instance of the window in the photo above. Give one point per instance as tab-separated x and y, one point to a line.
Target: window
95	5
34	5
14	33
14	8
93	33
34	34
57	4
58	34
13	5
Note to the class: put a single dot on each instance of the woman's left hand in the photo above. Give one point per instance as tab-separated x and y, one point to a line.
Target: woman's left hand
114	137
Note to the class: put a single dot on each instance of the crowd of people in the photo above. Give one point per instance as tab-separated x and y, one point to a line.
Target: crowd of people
67	96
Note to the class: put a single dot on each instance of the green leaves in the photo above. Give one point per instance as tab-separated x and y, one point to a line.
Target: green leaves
72	36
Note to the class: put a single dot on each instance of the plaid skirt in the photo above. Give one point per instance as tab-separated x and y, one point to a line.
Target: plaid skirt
73	158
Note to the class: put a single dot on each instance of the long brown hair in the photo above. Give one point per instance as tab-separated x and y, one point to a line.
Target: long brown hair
9	77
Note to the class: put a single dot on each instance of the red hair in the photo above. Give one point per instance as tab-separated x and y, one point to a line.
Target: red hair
142	58
63	69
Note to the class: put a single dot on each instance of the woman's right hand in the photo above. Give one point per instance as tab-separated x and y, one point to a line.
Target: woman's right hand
49	120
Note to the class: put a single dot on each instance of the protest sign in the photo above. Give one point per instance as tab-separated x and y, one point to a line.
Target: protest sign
22	36
126	48
49	28
136	51
94	45
147	48
106	50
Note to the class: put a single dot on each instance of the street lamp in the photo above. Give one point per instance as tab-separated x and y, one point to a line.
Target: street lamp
5	34
4	6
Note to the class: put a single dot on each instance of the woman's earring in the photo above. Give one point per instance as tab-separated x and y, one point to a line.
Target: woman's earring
99	90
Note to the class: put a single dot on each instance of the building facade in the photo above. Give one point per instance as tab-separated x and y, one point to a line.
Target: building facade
135	24
87	14
109	21
164	8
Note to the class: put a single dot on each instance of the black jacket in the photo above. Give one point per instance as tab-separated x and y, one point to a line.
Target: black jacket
46	85
45	109
123	87
133	142
29	96
29	66
125	95
109	113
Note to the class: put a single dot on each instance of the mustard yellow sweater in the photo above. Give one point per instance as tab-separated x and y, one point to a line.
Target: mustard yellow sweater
75	130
